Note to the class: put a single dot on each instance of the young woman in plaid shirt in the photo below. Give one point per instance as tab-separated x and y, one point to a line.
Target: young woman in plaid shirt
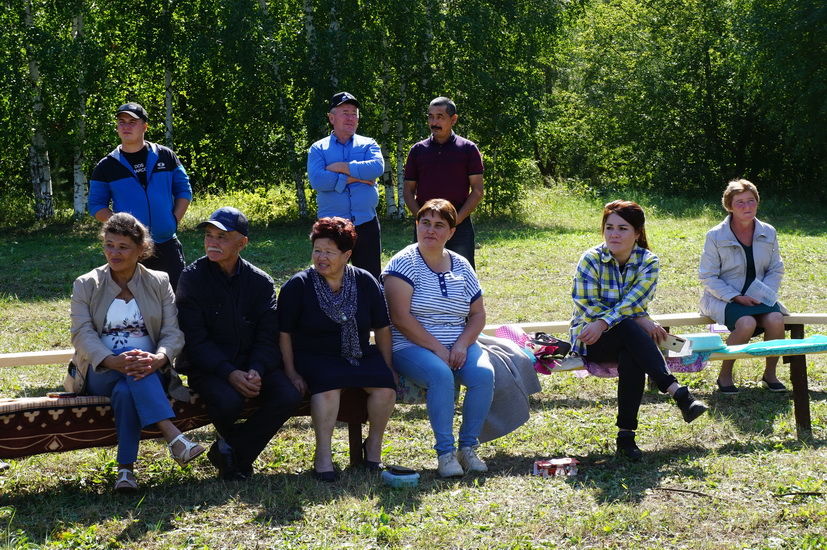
613	285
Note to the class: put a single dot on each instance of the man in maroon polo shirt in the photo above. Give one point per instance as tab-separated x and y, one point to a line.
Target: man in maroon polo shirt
446	166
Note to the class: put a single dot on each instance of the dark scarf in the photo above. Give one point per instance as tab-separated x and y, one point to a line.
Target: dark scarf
340	307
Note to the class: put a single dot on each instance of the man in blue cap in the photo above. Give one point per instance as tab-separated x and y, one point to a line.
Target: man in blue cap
227	310
148	181
343	168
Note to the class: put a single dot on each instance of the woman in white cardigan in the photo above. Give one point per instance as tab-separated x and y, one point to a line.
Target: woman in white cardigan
741	271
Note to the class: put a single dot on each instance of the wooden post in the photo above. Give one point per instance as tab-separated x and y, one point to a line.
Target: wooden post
801	392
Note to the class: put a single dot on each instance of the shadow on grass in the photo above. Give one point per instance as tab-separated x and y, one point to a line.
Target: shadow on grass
752	410
618	480
74	507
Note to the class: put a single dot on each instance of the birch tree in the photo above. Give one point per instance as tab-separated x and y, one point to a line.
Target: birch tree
39	168
80	186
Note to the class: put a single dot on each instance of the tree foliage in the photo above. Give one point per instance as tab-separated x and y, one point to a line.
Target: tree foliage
670	94
680	95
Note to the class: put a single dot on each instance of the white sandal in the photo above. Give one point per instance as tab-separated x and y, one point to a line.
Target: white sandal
189	452
126	482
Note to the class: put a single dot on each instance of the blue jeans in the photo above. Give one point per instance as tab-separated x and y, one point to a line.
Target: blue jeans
425	369
137	404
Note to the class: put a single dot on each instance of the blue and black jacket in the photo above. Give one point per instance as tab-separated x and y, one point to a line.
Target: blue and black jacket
114	182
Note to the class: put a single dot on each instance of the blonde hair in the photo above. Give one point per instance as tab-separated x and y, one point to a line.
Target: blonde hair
735	187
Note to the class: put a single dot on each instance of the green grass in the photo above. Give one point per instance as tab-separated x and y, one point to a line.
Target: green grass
738	460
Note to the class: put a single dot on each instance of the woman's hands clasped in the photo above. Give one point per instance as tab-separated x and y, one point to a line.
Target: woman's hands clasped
746	301
136	363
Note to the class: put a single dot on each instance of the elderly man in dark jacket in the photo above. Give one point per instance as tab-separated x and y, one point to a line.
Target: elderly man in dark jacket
227	310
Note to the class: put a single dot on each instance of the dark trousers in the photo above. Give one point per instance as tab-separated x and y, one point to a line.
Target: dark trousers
168	257
463	241
637	355
277	401
367	252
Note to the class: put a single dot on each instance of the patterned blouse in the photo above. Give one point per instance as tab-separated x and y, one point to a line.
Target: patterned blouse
125	329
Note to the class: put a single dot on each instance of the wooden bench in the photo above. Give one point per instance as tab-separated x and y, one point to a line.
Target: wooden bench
794	323
353	409
35	425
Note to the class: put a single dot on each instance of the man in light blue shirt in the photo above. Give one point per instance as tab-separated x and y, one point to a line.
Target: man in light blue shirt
343	168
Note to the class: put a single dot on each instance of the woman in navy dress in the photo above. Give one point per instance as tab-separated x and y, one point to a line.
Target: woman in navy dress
326	314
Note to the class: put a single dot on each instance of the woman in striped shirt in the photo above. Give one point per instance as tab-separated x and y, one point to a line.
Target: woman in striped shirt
436	308
613	285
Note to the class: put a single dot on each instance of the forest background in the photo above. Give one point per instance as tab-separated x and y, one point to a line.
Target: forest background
669	96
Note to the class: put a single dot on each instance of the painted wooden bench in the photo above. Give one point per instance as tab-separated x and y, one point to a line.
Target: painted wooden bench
34	425
51	433
794	323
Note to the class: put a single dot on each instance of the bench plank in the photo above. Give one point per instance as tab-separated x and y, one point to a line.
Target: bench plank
36	358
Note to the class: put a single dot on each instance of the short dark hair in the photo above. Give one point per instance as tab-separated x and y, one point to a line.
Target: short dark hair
450	106
632	213
126	225
339	230
444	209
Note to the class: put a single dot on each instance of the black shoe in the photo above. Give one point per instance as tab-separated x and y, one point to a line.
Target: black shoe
225	463
726	390
690	407
326	477
370	464
626	447
773	386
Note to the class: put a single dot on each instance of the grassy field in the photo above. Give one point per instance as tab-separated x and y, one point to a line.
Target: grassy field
736	478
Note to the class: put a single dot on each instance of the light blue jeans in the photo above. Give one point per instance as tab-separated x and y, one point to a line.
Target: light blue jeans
425	369
136	404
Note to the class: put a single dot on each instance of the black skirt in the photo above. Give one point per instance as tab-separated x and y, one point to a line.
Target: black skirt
329	372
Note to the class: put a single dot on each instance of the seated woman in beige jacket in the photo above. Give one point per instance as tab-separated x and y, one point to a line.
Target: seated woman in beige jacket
741	271
125	333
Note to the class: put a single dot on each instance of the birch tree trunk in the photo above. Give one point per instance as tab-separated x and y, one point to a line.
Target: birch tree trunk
335	31
298	175
391	206
400	172
39	170
168	106
310	33
79	178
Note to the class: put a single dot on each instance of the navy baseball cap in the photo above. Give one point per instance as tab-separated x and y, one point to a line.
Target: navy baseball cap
134	110
227	218
343	97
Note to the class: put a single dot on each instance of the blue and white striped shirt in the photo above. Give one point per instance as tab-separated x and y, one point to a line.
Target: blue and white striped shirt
440	301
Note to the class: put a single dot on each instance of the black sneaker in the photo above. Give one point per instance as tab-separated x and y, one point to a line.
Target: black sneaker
225	463
690	407
626	447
